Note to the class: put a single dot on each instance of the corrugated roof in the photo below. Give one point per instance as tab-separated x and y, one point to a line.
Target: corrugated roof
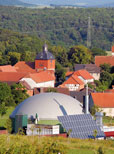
84	74
104	59
103	100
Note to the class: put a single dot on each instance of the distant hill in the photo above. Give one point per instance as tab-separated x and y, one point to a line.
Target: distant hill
14	3
80	3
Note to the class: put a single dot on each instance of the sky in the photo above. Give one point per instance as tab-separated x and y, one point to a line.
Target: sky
70	2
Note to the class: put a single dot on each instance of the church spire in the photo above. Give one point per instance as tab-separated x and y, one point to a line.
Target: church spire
45	48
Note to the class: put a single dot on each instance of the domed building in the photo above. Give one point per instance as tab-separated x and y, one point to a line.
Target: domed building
48	106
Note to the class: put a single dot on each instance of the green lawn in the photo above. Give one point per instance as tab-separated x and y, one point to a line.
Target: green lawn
4	118
49	122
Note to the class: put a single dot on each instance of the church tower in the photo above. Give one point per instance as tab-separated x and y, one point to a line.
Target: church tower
45	60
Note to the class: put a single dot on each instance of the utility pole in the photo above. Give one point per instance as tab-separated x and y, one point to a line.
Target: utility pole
89	33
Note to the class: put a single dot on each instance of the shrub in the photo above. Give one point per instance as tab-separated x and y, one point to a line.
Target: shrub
9	125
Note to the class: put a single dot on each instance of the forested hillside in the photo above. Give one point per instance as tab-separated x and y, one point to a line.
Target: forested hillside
65	27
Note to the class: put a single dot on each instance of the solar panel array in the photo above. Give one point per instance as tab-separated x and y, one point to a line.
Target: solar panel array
82	126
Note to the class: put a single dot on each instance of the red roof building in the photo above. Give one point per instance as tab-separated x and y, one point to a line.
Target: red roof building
104	59
73	83
105	101
27	67
32	70
84	74
11	77
7	68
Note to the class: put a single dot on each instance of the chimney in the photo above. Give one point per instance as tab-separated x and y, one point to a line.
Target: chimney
99	116
87	101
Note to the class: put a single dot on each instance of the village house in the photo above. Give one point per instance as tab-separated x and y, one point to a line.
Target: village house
104	101
91	68
85	76
40	73
73	83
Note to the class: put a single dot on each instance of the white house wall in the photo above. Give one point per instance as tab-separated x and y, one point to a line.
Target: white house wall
72	87
96	75
108	111
86	81
30	82
46	84
33	84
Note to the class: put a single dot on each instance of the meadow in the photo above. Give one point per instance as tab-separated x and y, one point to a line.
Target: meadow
18	144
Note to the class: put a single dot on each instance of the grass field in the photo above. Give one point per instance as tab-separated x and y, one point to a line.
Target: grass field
16	144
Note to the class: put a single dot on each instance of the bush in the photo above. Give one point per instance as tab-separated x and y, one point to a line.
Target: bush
100	150
9	125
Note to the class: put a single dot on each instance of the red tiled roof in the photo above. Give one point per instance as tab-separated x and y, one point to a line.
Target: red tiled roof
41	76
23	66
72	80
11	76
84	74
104	59
7	68
113	48
103	100
69	73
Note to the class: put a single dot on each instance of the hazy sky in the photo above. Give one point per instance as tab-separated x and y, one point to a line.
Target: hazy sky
90	2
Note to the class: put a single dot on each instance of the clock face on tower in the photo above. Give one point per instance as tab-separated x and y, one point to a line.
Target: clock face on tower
41	64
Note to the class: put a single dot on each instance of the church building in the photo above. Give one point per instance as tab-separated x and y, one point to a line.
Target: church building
45	60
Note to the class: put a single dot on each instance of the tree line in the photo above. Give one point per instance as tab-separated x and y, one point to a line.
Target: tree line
63	27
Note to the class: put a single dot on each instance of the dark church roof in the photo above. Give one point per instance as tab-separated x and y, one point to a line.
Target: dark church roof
45	55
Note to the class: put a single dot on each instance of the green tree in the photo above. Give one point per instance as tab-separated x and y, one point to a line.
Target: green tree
19	93
98	52
6	95
106	77
105	67
9	125
79	55
95	133
26	56
2	108
14	57
59	73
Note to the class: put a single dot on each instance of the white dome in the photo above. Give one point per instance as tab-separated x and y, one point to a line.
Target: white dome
48	106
